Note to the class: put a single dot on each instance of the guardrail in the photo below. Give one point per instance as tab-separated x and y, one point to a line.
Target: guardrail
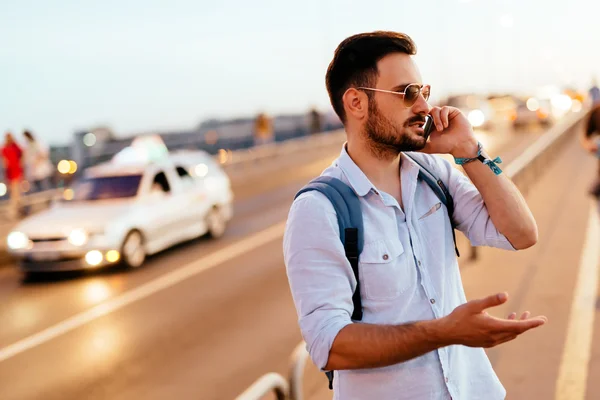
523	171
253	155
529	165
33	201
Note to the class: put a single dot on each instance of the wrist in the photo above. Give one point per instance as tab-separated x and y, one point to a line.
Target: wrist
466	150
440	332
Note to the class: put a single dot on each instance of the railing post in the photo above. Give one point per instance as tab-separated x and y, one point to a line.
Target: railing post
297	365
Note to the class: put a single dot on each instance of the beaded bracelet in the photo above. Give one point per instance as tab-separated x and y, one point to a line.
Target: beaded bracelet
490	163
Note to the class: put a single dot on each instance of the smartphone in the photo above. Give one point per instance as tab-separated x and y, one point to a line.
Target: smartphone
427	128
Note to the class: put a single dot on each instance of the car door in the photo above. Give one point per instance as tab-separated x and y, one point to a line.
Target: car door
162	210
193	200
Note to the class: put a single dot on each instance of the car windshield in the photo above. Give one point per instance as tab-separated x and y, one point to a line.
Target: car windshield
106	187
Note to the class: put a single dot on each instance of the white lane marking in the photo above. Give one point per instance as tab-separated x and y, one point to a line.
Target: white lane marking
163	282
573	372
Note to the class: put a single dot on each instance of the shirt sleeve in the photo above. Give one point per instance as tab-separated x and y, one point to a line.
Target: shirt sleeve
470	213
320	277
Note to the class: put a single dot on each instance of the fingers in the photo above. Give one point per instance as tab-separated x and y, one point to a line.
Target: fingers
512	315
444	116
518	326
437	119
491	301
525	315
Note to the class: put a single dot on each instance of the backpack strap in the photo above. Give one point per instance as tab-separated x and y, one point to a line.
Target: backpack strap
439	188
349	216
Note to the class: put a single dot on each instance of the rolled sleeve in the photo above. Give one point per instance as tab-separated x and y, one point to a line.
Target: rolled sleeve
320	277
471	216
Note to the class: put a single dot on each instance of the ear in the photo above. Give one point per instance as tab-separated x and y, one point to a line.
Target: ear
356	103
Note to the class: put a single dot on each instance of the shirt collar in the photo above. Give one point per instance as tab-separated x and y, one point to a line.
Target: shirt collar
358	180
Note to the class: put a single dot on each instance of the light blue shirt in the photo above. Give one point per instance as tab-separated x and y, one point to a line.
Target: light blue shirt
408	271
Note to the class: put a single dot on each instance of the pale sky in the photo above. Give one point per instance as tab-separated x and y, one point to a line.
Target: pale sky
142	65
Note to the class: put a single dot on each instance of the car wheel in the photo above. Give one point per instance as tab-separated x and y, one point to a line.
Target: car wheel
215	223
133	252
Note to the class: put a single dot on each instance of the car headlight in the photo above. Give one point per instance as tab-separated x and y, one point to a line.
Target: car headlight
476	118
17	241
78	237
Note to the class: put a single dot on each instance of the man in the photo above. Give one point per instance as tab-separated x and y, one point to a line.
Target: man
419	338
590	142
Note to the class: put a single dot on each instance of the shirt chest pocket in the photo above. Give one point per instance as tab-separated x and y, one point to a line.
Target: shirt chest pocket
384	270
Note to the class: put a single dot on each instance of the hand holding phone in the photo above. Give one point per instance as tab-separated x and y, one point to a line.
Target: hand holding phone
428	127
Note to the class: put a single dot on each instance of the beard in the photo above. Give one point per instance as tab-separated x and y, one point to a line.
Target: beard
387	140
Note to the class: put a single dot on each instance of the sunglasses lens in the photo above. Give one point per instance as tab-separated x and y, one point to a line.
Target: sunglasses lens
411	93
426	91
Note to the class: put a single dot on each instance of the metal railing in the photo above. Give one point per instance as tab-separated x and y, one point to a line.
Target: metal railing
296	375
266	384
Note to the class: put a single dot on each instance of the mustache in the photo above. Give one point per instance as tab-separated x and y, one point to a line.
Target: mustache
415	119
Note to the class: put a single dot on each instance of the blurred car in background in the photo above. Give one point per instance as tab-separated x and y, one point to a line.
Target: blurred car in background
123	210
476	108
530	111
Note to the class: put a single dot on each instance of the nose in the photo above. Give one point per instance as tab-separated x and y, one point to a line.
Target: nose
421	106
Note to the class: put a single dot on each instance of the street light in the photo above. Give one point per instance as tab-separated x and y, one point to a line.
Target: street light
89	139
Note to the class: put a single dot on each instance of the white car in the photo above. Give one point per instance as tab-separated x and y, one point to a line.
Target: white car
120	212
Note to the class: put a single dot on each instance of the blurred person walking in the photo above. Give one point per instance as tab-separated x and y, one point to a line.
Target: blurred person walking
38	168
380	303
594	93
263	130
13	172
591	142
316	125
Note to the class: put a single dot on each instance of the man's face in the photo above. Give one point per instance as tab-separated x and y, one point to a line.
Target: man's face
391	126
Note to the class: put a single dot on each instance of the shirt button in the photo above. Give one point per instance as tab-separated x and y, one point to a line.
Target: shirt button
385	256
432	301
447	379
419	262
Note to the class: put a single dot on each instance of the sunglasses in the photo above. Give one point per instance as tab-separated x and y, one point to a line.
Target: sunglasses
411	93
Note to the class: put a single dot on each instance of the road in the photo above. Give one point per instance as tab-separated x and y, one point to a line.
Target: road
207	318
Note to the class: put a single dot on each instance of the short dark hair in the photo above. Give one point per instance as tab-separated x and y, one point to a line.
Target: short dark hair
355	62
